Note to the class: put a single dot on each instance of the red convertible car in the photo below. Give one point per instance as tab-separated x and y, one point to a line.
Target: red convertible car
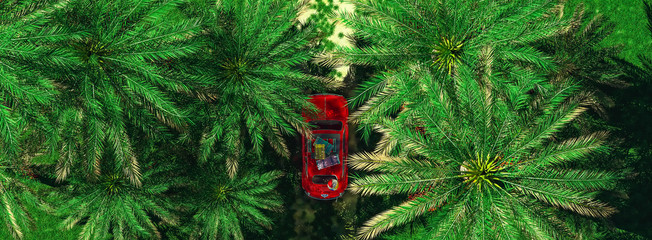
324	175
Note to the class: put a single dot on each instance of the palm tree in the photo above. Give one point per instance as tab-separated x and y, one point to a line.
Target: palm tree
113	81
251	91
111	207
226	206
483	166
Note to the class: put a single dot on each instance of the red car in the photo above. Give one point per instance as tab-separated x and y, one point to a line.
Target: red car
324	175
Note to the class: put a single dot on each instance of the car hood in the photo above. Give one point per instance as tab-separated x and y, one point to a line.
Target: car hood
333	108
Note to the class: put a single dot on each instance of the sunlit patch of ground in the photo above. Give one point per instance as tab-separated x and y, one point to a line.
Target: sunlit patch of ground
340	33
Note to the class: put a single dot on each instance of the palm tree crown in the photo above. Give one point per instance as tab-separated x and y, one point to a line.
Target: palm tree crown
112	82
255	91
486	168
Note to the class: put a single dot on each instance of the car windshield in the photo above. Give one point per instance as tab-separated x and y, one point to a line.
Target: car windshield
326	124
322	179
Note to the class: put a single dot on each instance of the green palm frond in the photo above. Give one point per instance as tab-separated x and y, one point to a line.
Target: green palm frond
394	184
576	201
403	213
24	95
530	220
575	179
569	150
20	191
8	131
386	97
368	89
544	130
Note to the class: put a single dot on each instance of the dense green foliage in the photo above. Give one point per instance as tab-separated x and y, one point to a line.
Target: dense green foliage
179	119
111	81
439	37
250	93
